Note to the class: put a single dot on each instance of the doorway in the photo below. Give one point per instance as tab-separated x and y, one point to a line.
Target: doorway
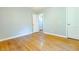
38	22
41	22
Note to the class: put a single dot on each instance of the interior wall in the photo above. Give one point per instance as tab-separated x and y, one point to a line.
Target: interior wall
15	21
55	20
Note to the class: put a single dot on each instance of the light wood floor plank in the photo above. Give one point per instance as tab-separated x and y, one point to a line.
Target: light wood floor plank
39	42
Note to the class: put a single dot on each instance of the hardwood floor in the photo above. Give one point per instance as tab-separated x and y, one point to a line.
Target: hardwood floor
39	42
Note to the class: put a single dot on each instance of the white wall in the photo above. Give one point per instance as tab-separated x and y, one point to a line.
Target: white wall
15	21
55	20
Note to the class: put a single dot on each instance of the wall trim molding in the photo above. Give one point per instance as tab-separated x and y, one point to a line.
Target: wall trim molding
56	35
8	38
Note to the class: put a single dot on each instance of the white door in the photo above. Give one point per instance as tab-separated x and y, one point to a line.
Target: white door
35	23
73	22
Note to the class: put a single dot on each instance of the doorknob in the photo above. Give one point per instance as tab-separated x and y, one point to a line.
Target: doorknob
68	24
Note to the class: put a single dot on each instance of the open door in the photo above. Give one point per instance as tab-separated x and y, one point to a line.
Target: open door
37	22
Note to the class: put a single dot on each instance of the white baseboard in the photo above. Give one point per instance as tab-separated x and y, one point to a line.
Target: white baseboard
55	34
15	36
29	34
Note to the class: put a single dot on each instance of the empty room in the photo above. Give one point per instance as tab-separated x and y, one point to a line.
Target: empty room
39	29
